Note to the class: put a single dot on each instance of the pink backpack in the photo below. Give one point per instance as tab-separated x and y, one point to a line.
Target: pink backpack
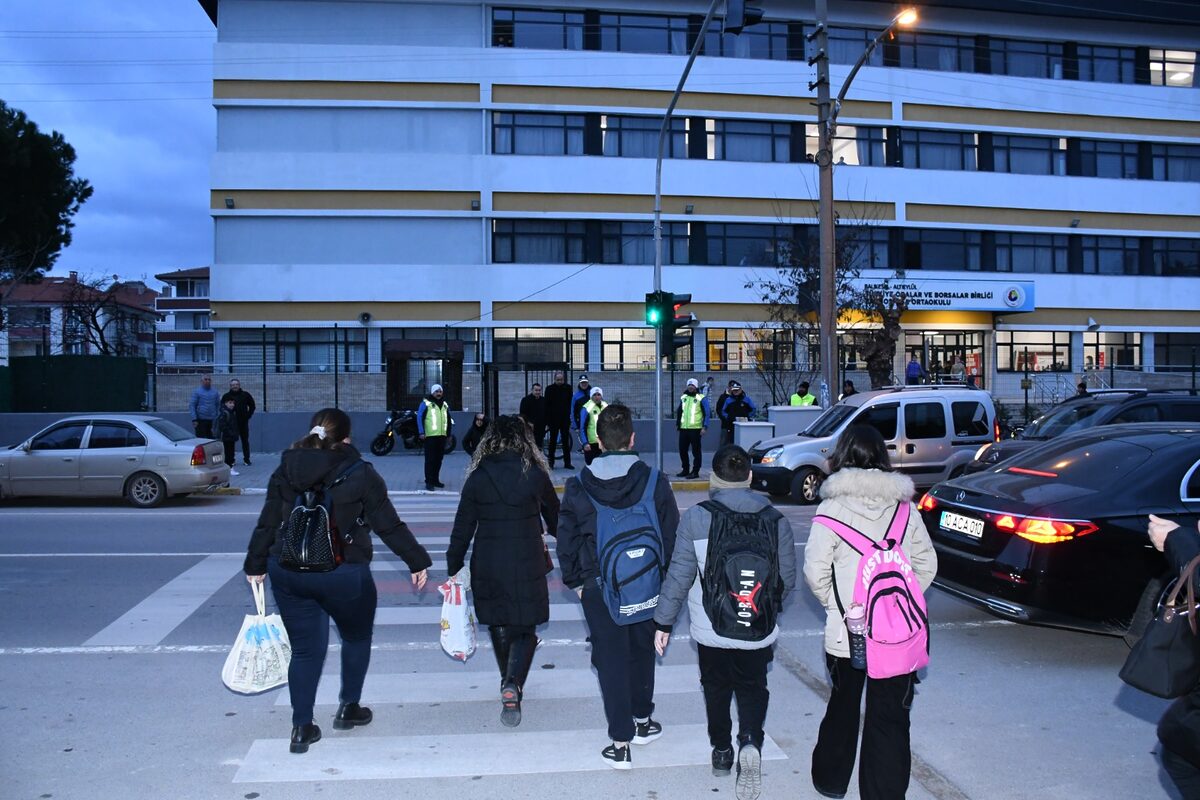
897	622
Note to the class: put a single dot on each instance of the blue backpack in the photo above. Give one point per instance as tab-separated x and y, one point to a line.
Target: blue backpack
629	548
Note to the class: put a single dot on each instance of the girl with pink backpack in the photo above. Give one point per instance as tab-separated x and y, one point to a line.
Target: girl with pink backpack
868	546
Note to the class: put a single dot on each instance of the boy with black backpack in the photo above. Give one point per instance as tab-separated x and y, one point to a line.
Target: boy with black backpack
616	532
734	562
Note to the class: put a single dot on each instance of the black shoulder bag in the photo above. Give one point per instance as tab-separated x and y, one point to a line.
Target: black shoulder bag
1166	661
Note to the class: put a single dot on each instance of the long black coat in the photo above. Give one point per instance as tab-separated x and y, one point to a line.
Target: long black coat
502	509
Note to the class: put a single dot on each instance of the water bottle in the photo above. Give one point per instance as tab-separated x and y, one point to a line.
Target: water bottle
856	623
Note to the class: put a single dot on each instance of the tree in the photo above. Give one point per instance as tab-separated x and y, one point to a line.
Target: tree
95	316
41	196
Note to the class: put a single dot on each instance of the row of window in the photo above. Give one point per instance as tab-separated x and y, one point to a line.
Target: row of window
596	134
549	241
779	41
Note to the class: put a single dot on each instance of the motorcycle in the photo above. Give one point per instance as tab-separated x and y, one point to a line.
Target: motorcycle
403	425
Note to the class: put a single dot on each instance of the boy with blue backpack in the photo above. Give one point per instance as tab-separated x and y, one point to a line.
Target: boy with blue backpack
616	533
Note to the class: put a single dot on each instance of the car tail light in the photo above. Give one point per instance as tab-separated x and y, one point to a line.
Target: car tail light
1045	531
995	430
927	503
199	459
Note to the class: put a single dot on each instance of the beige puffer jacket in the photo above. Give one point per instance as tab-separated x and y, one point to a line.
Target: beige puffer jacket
864	499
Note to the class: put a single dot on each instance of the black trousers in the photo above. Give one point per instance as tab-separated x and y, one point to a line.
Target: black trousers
590	453
561	430
623	656
435	451
230	444
204	428
244	435
689	439
307	600
513	646
885	739
726	674
1179	732
726	436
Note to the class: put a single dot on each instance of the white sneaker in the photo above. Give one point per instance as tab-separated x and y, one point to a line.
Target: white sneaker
233	471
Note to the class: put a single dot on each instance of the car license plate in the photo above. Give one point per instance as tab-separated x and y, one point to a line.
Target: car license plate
217	459
960	524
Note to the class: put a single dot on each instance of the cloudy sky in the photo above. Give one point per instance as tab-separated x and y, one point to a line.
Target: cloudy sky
129	84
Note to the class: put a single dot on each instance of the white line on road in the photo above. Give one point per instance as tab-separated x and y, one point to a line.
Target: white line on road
429	615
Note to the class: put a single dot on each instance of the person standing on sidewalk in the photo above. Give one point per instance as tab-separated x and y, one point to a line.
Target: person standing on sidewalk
736	405
226	429
347	594
506	496
244	406
205	406
533	409
589	413
623	655
583	393
558	418
691	420
802	396
728	667
433	426
862	492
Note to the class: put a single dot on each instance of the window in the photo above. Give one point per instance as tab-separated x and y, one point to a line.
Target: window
298	349
1172	67
1110	255
940	250
922	149
192	288
170	430
1106	64
882	418
750	141
846	45
202	353
643	33
924	421
970	419
1176	352
1146	412
1031	252
633	243
1185	412
863	246
1175	162
64	437
512	346
537	242
1036	351
1102	350
200	322
541	30
637	137
749	348
1027	59
935	51
634	349
747	244
537	134
853	145
1030	155
766	40
1176	257
107	435
28	317
1103	159
1072	470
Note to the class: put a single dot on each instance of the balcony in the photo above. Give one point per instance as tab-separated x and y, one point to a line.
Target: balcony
185	337
167	304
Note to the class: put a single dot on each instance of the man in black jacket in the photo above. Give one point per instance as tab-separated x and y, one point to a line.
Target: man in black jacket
623	655
243	408
533	410
558	418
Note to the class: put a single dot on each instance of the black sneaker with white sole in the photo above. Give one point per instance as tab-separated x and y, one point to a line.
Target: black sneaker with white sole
749	777
646	732
722	761
617	757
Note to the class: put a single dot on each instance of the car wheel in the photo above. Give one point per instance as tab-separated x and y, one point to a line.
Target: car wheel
1144	613
806	485
145	490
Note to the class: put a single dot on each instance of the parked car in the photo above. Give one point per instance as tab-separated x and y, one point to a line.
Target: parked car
931	433
1104	407
142	458
1057	534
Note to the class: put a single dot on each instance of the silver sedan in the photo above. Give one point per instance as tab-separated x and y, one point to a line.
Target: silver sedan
142	458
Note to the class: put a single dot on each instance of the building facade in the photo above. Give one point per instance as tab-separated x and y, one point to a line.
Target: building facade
416	192
184	336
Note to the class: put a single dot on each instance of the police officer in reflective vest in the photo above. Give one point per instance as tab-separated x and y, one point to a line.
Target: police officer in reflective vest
433	426
588	414
691	420
802	396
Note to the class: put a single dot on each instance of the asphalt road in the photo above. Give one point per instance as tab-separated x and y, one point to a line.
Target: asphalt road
117	622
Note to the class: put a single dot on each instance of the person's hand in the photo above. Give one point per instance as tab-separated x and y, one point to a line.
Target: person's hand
660	642
256	579
587	448
1158	530
420	437
579	592
419	578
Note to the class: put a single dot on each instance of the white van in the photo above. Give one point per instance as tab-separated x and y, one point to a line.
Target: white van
931	432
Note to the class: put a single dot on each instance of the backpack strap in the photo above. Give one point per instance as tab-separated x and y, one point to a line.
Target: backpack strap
859	541
899	524
345	473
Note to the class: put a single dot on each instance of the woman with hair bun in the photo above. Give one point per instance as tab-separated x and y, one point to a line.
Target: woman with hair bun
506	496
307	600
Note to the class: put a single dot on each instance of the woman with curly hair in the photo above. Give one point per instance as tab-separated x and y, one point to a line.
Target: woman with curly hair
506	496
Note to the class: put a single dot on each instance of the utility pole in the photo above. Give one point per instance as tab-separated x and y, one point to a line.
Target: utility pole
827	241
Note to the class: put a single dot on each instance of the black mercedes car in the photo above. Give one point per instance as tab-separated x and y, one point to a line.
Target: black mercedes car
1057	534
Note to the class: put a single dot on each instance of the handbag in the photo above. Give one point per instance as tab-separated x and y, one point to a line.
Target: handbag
1166	661
260	655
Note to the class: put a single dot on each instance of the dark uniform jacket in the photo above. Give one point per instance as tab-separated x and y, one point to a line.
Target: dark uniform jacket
243	405
558	403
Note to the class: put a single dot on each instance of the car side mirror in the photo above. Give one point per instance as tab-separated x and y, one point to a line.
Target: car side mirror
27	445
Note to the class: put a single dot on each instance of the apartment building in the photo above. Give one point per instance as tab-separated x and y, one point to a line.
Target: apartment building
416	192
184	336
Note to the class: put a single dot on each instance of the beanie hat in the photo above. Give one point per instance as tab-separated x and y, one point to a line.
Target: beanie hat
437	387
693	382
597	390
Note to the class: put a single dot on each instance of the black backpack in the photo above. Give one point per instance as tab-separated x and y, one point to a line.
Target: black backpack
309	537
743	591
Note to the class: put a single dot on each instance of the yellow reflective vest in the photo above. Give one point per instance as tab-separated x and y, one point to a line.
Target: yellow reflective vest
593	413
692	416
803	400
436	419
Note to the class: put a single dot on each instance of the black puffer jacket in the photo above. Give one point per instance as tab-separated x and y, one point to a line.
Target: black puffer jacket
363	495
502	509
1179	728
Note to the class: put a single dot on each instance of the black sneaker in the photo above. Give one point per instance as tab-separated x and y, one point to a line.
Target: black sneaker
351	714
303	736
247	463
722	761
510	705
695	476
682	473
617	757
646	732
749	773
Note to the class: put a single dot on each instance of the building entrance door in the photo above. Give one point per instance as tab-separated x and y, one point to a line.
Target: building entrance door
415	365
941	350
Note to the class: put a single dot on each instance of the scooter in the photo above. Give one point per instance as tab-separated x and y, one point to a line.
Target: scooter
403	425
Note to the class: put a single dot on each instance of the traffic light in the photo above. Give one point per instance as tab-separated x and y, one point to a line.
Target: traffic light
738	15
656	310
677	328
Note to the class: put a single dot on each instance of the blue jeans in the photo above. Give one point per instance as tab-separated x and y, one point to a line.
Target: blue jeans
307	600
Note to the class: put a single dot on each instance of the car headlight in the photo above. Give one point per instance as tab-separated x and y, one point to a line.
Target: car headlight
771	455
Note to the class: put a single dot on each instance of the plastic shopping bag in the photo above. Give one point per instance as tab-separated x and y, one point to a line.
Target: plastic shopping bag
458	620
260	656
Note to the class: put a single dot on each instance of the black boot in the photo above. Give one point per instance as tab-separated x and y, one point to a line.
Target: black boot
520	658
351	714
501	643
303	736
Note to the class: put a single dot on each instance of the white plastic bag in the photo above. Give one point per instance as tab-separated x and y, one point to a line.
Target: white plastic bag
458	620
260	656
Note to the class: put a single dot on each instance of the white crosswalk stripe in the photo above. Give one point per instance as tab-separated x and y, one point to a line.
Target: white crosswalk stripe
429	615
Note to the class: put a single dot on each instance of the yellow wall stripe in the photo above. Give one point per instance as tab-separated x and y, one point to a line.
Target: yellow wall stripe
349	311
1042	120
260	199
224	89
1030	217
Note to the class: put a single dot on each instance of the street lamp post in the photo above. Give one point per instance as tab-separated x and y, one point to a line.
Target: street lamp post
827	113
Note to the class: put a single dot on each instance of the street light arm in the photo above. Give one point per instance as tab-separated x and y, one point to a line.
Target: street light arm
862	59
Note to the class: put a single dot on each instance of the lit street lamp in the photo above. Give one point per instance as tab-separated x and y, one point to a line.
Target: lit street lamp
827	113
